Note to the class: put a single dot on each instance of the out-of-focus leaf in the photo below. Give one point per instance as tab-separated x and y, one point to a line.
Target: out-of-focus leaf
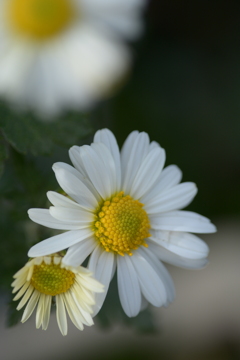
27	134
112	313
13	245
13	315
23	185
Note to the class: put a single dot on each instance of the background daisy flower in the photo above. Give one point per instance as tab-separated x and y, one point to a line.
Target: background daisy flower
43	278
124	210
58	54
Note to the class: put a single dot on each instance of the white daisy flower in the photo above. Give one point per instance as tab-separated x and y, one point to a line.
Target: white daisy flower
58	54
124	210
73	288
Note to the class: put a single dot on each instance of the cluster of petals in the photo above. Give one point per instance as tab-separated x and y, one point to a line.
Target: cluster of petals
75	67
99	171
77	301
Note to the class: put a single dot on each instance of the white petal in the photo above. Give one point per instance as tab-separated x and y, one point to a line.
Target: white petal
68	168
161	271
138	147
181	243
82	304
128	286
26	297
82	294
74	216
59	242
76	254
73	316
182	221
100	168
148	172
19	282
74	154
82	177
40	311
76	312
106	137
46	316
61	315
93	60
43	217
88	282
122	18
173	259
93	261
126	149
60	200
112	7
23	271
153	145
101	265
15	55
106	156
85	314
151	285
21	292
169	177
30	305
175	198
84	308
76	189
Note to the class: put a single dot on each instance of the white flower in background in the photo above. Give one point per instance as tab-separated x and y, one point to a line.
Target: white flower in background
123	209
73	288
58	54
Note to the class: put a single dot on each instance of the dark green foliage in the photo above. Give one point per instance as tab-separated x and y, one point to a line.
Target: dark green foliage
13	316
24	144
27	134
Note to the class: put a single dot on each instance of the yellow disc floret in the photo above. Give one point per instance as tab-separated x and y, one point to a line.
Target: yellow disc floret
51	279
40	19
122	224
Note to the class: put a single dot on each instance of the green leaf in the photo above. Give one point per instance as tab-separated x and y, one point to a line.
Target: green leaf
13	315
27	134
112	313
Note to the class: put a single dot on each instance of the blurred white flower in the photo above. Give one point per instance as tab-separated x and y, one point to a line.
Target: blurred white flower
64	54
124	212
43	278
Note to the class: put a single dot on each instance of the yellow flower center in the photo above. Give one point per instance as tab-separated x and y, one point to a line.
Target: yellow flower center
51	279
40	19
122	224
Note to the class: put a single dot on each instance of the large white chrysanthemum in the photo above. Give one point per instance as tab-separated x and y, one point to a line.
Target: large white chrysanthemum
124	211
58	54
43	278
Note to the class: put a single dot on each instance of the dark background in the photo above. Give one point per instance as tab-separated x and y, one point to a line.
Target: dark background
185	92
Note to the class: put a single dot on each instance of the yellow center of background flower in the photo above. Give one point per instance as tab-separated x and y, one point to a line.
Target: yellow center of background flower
122	225
40	19
51	279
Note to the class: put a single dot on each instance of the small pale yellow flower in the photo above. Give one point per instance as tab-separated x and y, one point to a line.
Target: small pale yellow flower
43	278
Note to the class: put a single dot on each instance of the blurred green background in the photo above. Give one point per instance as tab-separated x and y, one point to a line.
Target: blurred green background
184	90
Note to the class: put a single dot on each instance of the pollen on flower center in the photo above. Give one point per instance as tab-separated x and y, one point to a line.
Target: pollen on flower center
40	19
51	279
122	224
